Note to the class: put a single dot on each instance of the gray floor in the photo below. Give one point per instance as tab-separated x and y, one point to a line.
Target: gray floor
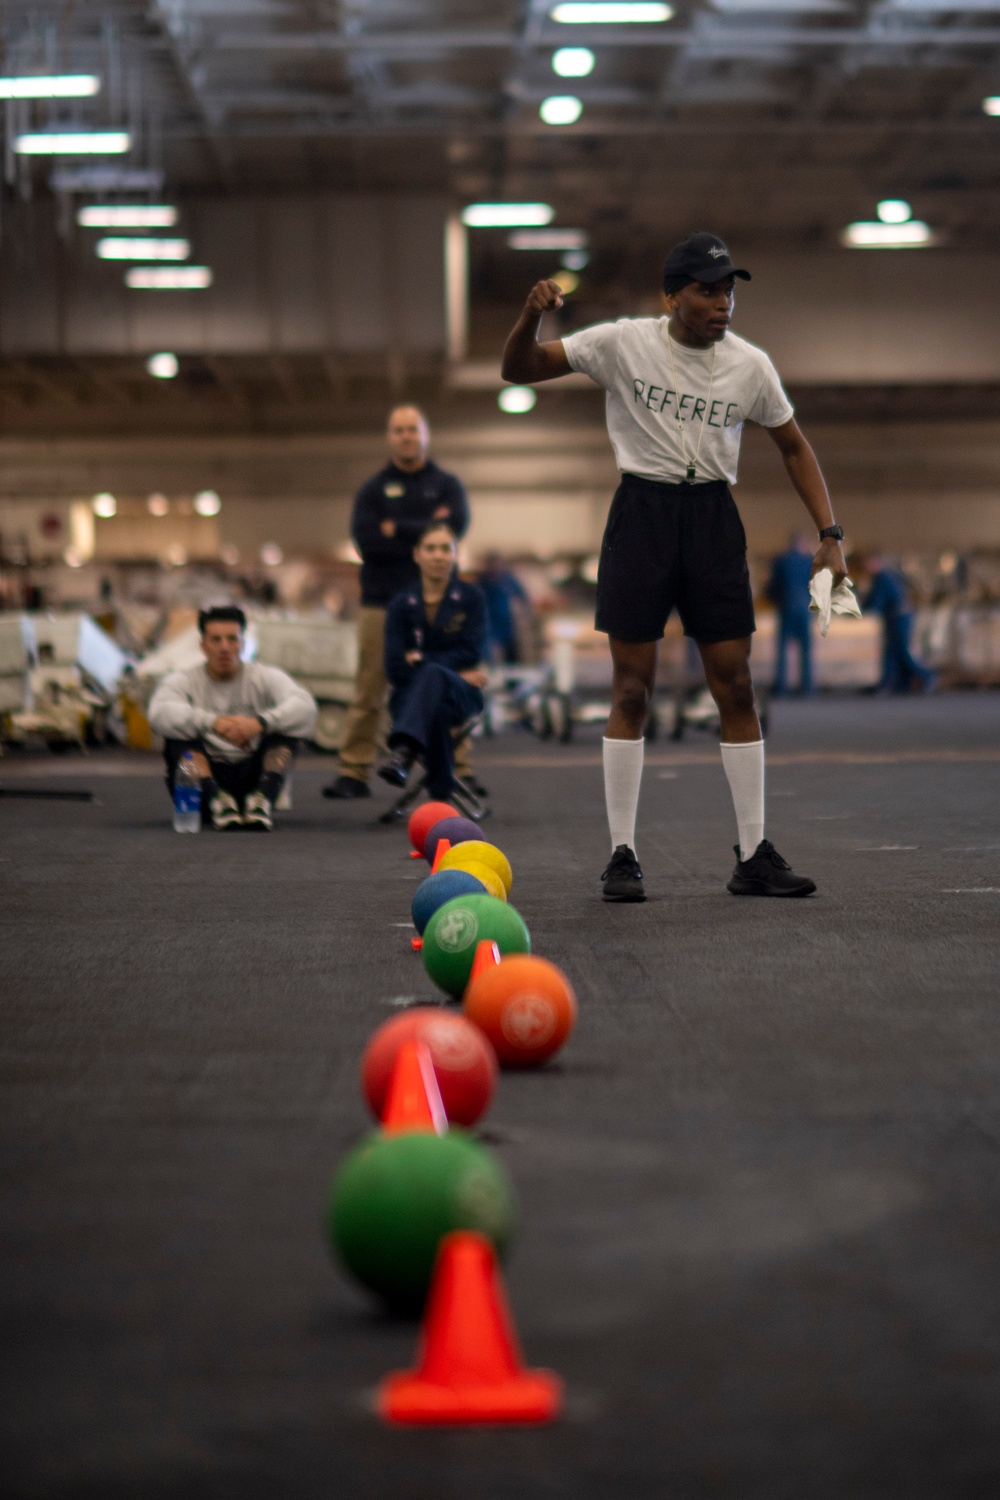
760	1193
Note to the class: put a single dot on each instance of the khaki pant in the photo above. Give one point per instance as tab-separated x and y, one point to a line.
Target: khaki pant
367	717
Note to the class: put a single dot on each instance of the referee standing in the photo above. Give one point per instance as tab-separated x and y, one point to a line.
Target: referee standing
391	512
678	390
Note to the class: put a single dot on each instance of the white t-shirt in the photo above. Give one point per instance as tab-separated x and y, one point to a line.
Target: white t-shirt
187	703
654	429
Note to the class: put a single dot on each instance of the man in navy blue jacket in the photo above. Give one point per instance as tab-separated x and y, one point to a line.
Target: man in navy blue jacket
390	511
435	643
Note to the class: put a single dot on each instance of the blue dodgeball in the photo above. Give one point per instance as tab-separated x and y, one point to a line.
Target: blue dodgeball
437	889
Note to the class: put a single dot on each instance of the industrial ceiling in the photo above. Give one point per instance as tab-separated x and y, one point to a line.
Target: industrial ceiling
762	116
775	122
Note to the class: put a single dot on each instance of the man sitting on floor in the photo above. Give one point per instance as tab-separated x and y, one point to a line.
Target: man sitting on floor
240	720
435	642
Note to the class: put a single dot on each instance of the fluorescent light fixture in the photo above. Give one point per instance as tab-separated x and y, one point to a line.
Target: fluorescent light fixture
894	211
780	7
105	179
506	215
945	6
573	62
561	109
50	86
991	105
207	503
547	239
127	216
158	505
73	143
876	236
104	505
575	260
516	399
169	278
164	366
114	248
611	12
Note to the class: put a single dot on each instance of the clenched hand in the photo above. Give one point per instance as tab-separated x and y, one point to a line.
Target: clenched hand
238	729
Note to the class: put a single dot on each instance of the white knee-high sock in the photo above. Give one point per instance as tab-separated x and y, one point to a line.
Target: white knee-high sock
622	776
744	766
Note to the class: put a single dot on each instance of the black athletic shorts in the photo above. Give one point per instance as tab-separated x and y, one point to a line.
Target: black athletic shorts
674	544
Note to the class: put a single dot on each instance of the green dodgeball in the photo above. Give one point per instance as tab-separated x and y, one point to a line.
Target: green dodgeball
396	1195
451	936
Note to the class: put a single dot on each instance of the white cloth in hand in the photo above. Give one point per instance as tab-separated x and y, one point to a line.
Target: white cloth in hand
827	600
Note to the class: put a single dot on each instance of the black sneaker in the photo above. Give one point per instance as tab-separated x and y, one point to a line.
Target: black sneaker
623	878
396	770
765	873
346	787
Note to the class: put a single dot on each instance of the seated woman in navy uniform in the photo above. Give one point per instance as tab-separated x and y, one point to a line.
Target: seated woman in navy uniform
435	643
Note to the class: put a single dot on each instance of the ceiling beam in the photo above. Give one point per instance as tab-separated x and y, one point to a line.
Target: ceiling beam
176	32
101	380
742	128
403	45
23	371
226	382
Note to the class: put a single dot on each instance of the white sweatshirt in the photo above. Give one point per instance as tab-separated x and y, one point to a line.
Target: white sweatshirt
186	705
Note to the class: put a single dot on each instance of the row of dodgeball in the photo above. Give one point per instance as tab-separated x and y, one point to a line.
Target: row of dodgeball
421	1211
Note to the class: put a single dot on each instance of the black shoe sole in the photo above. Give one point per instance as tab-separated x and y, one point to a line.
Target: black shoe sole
393	777
758	888
625	897
335	796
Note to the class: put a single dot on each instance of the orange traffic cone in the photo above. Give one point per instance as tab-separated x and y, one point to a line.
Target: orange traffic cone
443	845
487	956
414	1099
470	1365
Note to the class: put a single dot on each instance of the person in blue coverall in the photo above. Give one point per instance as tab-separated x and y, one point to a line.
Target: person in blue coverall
788	591
502	591
889	597
435	643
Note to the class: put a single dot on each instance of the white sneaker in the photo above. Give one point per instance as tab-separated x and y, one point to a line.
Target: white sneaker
225	811
257	813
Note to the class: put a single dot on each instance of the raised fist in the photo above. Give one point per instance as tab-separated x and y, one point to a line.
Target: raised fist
544	295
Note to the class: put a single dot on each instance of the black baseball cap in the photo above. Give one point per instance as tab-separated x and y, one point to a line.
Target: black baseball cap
701	257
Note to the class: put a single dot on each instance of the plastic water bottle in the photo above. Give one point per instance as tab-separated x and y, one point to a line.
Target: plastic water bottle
187	797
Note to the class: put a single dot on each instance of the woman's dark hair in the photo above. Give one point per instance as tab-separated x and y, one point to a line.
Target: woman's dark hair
437	526
221	612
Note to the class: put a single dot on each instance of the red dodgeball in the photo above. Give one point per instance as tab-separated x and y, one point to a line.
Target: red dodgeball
423	820
465	1064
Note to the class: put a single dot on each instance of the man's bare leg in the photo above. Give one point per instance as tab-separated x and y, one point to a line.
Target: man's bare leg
727	671
632	682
